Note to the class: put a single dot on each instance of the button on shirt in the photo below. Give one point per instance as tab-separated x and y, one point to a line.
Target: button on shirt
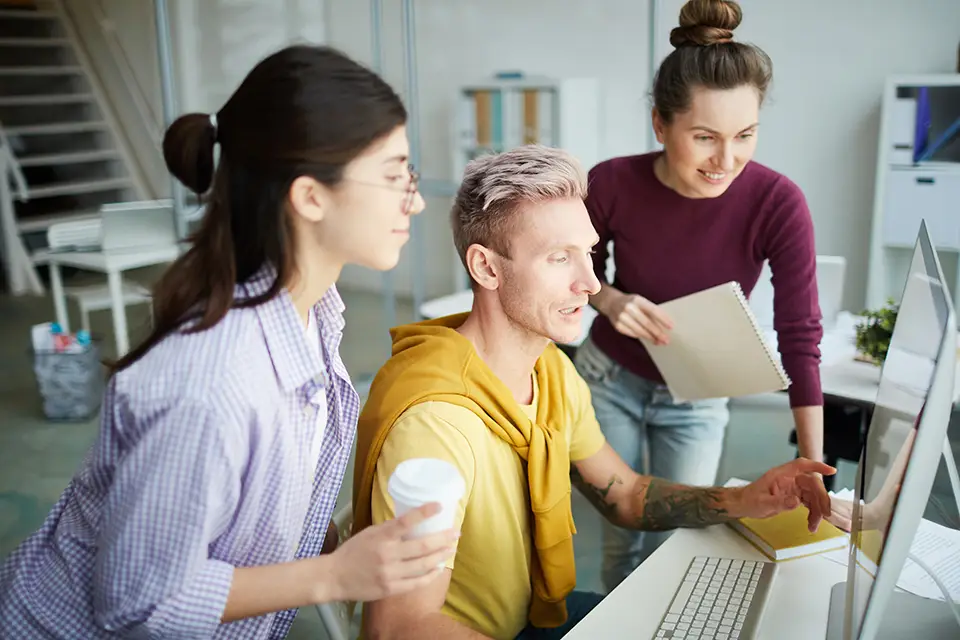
209	458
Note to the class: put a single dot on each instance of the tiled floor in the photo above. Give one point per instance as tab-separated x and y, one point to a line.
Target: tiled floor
37	458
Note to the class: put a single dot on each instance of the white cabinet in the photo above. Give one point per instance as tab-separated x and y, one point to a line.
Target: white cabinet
498	114
915	194
919	115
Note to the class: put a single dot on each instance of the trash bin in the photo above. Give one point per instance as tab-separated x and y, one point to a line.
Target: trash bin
70	384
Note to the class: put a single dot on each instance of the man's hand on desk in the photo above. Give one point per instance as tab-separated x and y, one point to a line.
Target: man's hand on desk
786	487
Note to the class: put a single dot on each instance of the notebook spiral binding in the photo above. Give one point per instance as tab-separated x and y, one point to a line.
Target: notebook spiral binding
744	303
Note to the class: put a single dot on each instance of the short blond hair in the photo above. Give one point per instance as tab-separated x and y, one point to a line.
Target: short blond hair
495	186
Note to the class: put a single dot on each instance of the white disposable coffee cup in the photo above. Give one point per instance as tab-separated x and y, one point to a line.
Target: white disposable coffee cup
418	481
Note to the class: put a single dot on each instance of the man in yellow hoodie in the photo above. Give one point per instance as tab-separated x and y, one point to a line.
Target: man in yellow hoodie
490	392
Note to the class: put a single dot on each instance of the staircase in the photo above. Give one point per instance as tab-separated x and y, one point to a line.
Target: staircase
59	129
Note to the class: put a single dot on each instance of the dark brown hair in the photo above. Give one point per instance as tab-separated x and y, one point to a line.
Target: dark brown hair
706	56
305	110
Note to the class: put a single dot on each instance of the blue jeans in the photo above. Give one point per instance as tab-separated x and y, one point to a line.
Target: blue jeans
656	436
579	604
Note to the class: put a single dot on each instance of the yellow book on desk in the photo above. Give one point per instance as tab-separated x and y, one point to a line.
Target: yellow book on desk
785	536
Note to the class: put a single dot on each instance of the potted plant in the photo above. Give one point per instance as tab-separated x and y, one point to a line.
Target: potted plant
874	332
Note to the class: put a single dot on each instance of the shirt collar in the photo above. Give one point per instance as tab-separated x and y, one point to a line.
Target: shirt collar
293	361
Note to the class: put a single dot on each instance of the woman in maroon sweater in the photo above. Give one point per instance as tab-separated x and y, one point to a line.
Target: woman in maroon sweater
696	215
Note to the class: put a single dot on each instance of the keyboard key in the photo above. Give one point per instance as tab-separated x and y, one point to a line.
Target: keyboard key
670	617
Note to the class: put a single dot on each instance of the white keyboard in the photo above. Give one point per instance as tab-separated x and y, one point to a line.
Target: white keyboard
720	599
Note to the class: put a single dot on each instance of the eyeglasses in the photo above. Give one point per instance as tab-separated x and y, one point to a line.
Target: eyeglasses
411	187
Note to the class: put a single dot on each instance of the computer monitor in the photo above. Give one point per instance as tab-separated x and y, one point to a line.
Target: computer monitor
900	457
137	226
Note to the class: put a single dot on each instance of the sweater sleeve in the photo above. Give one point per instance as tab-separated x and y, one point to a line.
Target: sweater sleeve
791	250
598	206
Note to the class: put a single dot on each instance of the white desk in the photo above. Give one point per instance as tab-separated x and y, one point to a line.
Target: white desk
113	264
857	382
797	610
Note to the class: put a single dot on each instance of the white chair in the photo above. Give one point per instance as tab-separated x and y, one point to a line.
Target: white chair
338	616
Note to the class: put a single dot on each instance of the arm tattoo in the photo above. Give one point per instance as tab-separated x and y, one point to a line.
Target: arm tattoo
670	506
597	495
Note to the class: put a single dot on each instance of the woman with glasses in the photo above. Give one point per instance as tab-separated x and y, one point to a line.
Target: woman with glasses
202	508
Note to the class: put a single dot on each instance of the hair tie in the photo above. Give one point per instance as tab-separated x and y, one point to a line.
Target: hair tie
213	123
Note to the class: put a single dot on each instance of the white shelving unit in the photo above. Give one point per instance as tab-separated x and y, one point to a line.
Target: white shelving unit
907	192
498	114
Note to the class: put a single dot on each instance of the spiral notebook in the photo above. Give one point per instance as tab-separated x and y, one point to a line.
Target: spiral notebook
717	348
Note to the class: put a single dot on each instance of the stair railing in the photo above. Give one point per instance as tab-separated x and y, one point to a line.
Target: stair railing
21	274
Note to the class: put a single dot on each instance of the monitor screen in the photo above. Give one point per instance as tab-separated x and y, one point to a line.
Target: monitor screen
921	327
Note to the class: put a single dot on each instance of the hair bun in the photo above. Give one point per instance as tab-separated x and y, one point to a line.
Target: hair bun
706	22
188	150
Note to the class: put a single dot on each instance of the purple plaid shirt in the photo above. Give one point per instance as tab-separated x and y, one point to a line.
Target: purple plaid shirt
202	465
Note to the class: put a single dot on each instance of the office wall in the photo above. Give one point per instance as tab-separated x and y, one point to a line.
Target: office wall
819	126
462	41
219	41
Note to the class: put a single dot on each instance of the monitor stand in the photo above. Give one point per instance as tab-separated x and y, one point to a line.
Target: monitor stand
906	615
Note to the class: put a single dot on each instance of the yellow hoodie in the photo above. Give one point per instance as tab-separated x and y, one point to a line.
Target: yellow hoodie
432	362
